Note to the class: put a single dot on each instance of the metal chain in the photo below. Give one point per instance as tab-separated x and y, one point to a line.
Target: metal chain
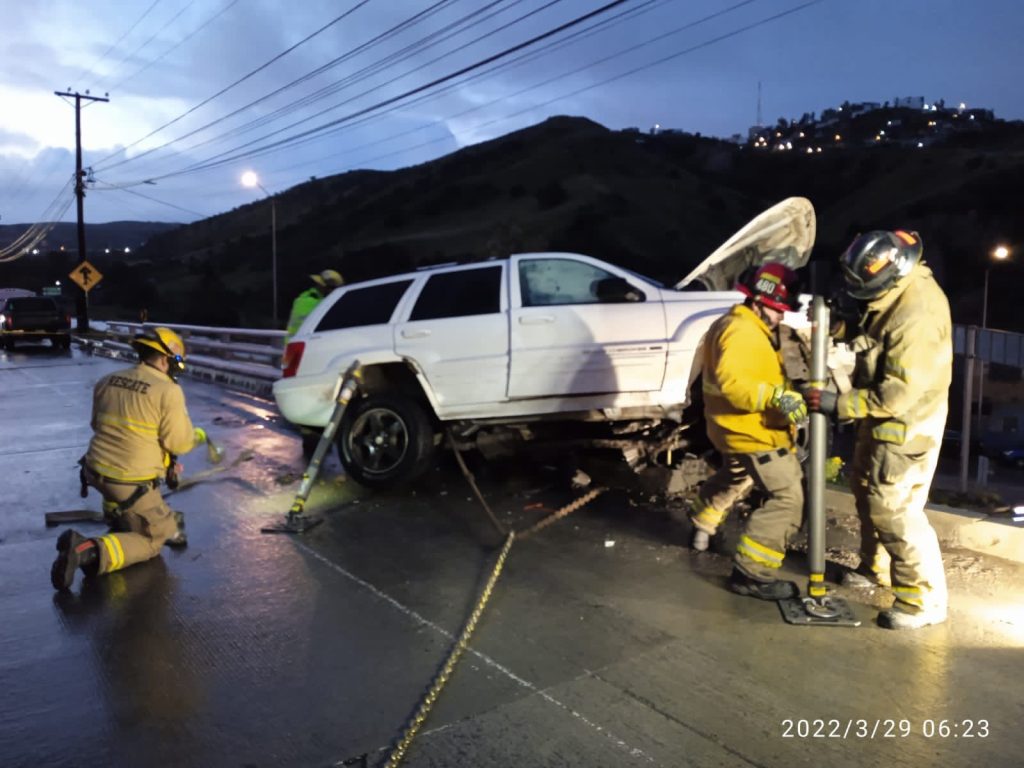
442	677
568	509
398	753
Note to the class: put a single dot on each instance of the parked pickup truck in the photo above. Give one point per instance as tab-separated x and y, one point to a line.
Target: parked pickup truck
33	318
536	345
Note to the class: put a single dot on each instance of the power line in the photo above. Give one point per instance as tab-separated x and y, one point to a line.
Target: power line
226	157
176	46
112	188
416	18
117	43
239	81
153	36
613	78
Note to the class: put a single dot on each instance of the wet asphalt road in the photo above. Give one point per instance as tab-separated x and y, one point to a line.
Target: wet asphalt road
606	642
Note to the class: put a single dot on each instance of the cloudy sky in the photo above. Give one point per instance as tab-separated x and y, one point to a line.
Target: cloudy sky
203	90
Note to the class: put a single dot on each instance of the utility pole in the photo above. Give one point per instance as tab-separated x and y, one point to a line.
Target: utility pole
83	298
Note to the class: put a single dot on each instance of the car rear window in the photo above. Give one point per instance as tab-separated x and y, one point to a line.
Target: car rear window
31	304
460	294
372	305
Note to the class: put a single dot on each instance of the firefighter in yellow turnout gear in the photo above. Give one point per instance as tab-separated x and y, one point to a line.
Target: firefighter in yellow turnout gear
750	412
139	420
899	400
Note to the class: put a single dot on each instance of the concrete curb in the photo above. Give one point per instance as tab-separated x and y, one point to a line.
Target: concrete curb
980	532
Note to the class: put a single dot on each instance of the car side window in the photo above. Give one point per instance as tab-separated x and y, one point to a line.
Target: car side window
460	294
548	282
373	305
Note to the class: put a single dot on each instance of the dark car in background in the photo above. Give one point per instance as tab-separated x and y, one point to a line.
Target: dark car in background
32	319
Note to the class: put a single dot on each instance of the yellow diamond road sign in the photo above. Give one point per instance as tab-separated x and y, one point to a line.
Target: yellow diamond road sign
86	275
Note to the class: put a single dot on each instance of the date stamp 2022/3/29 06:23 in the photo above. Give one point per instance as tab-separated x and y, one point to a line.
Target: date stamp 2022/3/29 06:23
884	728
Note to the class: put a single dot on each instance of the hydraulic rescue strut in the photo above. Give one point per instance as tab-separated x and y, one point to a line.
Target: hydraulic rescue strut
296	521
818	608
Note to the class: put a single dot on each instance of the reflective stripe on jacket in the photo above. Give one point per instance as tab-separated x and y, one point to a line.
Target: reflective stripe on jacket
303	305
906	395
138	418
741	368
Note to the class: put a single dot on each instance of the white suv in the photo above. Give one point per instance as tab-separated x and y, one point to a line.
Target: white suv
511	346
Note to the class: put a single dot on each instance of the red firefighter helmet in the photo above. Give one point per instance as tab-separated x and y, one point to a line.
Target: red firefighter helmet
774	285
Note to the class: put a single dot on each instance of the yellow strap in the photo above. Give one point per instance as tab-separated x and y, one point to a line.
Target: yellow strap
114	552
708	515
113	473
760	553
139	427
909	595
890	432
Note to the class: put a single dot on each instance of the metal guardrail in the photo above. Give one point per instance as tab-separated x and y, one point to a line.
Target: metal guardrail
991	346
245	358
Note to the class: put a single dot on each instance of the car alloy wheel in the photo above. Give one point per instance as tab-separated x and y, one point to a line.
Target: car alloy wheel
385	440
378	440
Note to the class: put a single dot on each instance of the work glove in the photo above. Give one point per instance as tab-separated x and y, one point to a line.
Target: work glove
200	435
789	403
820	400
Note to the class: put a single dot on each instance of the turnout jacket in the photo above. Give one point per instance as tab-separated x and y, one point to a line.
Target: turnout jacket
741	368
138	419
904	364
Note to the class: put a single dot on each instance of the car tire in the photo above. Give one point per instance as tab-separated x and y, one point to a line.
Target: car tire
385	440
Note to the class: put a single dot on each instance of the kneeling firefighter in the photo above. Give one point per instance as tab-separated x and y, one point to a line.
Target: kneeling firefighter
139	422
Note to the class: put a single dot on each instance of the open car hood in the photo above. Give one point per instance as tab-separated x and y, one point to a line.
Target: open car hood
783	233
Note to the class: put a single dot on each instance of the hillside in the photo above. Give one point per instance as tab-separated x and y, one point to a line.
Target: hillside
114	235
656	204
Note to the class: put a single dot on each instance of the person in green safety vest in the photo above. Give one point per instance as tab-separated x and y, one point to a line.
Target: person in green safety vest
305	302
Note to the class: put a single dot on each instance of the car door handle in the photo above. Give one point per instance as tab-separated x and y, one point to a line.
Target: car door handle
536	319
419	333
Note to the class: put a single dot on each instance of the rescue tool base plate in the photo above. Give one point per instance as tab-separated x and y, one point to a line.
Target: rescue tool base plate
828	612
293	524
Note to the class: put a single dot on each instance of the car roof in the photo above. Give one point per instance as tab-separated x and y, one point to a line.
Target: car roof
473	263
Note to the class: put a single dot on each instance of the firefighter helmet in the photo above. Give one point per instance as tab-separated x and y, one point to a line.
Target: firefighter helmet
329	278
167	343
876	260
774	285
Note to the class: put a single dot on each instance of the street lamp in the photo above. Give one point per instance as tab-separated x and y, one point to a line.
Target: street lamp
250	179
999	253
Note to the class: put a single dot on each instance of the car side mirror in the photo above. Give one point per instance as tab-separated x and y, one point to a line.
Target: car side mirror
617	289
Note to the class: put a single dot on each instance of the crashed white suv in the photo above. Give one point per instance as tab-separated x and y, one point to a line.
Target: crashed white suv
537	345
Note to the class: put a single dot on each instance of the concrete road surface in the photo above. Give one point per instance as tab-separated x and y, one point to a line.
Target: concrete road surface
607	643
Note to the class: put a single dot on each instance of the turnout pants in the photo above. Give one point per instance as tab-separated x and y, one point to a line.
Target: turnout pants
778	475
136	533
890	488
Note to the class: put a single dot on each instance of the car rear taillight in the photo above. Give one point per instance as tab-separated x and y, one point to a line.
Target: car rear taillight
291	358
67	319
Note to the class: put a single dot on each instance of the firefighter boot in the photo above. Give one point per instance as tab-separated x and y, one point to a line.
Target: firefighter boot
772	589
74	551
179	539
899	618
